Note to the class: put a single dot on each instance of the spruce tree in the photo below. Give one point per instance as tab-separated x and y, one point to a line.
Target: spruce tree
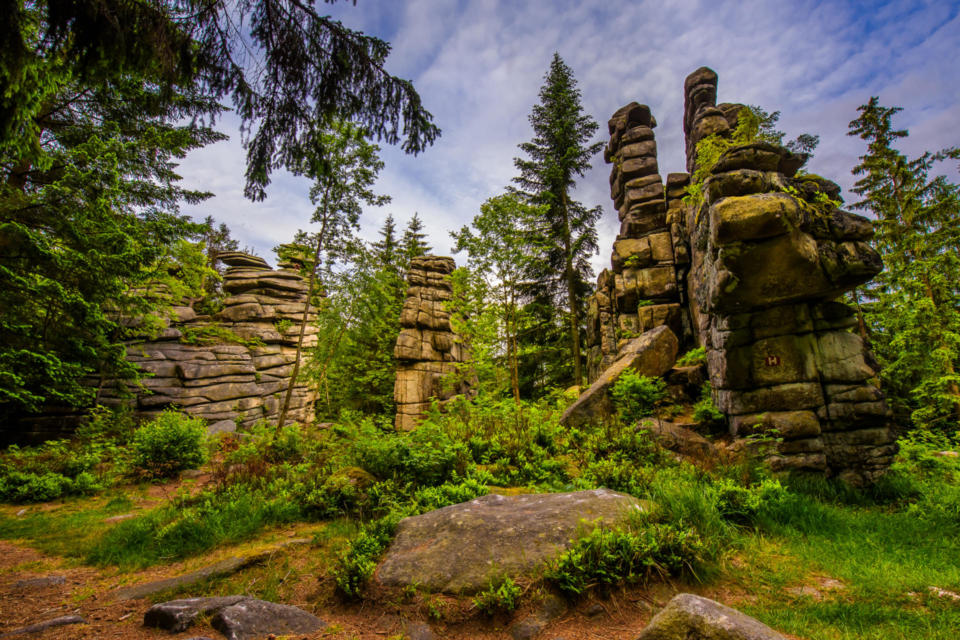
414	241
386	250
913	307
566	236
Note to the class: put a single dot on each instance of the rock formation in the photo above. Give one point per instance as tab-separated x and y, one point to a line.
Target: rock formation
427	351
641	290
235	365
460	548
758	266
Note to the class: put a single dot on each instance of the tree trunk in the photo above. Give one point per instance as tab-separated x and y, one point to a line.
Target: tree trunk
303	327
571	295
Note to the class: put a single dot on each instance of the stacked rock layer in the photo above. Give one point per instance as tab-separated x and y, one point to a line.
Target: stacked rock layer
760	262
240	365
640	290
427	350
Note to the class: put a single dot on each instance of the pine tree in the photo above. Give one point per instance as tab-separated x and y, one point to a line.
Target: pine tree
566	236
914	305
414	242
283	65
386	250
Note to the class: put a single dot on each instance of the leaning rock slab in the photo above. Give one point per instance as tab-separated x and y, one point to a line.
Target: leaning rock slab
652	354
252	618
689	616
459	549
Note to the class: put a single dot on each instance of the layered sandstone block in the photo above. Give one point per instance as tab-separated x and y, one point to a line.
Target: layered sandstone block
753	273
427	351
220	380
640	290
772	251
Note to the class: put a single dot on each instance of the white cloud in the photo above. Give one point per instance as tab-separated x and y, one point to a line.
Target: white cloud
478	65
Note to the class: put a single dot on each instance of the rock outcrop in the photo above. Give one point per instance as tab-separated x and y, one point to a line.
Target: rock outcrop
640	291
753	273
459	549
652	354
235	365
690	616
427	351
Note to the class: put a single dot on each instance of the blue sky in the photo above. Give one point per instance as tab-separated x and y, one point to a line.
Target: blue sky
478	65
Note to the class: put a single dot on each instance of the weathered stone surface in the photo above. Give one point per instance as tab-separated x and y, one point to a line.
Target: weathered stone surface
652	354
178	615
251	619
33	584
688	617
427	349
679	439
459	549
61	621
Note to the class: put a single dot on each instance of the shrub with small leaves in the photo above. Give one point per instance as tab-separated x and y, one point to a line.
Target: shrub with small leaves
636	396
499	597
170	443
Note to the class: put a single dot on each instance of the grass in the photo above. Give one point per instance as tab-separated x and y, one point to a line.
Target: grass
759	539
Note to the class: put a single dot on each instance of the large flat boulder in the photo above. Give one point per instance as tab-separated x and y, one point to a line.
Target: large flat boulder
652	354
689	616
459	549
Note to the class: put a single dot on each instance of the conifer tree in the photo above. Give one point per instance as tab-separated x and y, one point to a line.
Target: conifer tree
386	249
914	304
414	241
566	236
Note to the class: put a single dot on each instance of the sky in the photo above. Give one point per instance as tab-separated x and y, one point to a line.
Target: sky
479	64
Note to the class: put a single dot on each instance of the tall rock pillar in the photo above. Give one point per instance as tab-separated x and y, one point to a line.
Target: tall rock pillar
771	253
427	350
640	291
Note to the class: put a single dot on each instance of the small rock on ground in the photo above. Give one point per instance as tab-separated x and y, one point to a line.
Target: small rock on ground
177	615
38	583
418	631
43	626
691	616
252	618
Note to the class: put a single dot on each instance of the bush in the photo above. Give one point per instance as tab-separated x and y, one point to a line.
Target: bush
636	396
496	598
170	443
704	410
609	557
692	357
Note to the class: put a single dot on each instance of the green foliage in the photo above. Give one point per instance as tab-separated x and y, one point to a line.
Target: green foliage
311	70
213	333
357	564
912	310
59	468
499	254
192	525
608	557
694	357
705	411
168	444
636	396
502	596
563	240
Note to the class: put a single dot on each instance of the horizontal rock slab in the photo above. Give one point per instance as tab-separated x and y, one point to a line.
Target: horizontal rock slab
688	616
53	623
459	549
652	354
